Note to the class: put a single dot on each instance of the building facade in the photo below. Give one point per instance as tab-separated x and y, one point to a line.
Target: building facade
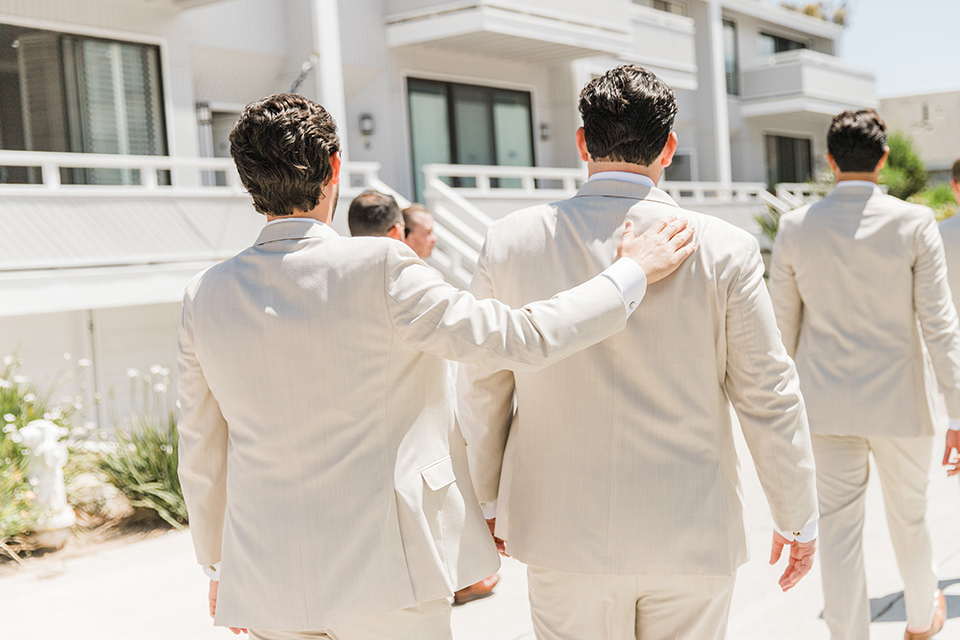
930	120
116	186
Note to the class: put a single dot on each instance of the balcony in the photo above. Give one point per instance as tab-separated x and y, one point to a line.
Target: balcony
534	31
665	44
803	81
136	241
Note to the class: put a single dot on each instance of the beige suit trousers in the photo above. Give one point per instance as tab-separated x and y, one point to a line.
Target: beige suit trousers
576	606
425	621
843	469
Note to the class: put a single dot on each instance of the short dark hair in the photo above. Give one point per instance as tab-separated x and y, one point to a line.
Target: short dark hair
955	171
628	114
282	147
408	224
857	140
373	214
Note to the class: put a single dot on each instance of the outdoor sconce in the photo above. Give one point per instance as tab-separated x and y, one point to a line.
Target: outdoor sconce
367	124
545	131
204	113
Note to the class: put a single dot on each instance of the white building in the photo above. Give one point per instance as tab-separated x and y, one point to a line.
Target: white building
931	121
114	116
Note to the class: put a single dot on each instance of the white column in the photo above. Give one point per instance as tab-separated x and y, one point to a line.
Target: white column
718	87
328	72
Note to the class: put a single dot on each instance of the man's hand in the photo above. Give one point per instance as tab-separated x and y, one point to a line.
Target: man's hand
501	545
212	597
801	559
660	249
951	453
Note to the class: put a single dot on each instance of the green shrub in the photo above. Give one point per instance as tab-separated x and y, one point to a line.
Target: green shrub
904	174
143	465
939	198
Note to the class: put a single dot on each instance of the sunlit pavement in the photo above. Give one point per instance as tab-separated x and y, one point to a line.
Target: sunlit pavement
154	590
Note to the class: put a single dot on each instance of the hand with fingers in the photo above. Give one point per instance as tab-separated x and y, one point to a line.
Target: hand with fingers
800	561
501	545
212	598
951	453
660	249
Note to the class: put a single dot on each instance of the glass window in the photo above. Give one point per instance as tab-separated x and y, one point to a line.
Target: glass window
770	45
62	92
788	159
670	7
469	124
731	58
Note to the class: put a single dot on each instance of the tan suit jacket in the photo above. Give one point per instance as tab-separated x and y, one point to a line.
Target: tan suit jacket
320	457
950	233
859	284
620	460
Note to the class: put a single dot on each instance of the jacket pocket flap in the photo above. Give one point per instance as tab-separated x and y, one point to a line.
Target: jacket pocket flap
438	474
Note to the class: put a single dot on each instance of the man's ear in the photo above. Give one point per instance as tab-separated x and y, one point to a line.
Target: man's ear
582	145
396	232
335	167
669	150
832	164
883	160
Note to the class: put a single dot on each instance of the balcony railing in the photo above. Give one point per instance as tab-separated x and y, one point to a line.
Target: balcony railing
666	44
808	75
52	173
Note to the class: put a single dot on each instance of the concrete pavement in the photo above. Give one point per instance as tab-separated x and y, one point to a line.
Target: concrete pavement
153	590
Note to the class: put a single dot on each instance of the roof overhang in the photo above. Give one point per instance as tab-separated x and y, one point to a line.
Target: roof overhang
785	105
483	28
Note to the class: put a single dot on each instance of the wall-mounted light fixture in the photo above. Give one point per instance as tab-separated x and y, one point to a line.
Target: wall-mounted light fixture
545	132
367	124
204	113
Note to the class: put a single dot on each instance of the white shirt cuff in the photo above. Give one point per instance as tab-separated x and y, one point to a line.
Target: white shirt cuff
809	533
489	509
953	424
630	280
212	571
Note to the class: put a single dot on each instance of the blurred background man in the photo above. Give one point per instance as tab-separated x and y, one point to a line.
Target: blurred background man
419	234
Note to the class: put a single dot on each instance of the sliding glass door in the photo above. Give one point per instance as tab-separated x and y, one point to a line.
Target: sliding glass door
454	123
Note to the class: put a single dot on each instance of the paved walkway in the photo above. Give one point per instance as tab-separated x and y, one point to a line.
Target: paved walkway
153	590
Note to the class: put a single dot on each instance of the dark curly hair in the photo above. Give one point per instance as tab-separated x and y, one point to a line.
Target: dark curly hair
857	140
282	147
628	114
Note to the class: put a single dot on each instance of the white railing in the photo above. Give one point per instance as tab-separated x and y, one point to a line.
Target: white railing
145	175
796	194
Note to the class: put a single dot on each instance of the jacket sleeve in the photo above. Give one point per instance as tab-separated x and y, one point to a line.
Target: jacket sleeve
935	310
430	315
763	386
203	447
787	303
485	405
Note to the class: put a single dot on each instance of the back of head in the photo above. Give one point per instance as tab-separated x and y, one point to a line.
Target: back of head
857	140
955	171
628	115
282	147
373	214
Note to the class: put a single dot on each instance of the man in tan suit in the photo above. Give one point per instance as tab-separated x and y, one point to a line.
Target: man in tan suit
950	232
378	215
859	284
319	455
615	475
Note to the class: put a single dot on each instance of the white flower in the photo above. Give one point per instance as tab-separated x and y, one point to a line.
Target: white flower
67	356
7	361
30	398
89	425
5	384
97	397
177	404
84	362
21	379
9	417
156	369
10	428
160	388
53	415
133	373
77	406
166	448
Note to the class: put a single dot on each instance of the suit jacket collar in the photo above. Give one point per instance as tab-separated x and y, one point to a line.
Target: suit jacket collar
622	189
294	229
858	192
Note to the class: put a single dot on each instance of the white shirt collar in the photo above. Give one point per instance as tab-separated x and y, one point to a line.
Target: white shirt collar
856	183
297	218
623	176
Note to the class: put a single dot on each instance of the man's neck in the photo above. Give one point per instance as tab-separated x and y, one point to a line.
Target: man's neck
650	171
861	176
